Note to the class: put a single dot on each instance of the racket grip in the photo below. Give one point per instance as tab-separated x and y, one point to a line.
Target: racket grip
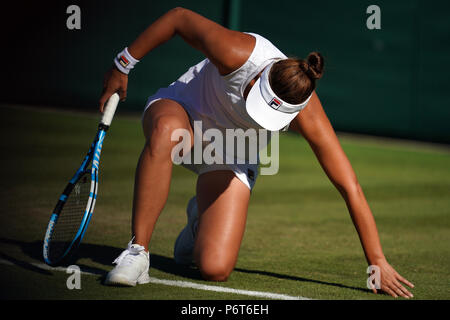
110	109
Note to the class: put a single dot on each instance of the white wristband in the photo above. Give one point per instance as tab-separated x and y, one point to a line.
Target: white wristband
125	61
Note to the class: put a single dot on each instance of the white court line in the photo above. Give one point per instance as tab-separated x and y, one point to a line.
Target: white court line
178	283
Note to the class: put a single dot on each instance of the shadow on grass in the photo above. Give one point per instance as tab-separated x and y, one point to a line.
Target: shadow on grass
295	278
101	254
104	255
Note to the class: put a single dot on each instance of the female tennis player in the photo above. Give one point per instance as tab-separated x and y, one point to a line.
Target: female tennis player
244	82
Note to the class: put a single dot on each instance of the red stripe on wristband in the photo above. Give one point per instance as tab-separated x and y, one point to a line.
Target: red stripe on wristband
123	61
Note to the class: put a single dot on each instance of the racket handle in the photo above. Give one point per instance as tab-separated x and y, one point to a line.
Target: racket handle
110	109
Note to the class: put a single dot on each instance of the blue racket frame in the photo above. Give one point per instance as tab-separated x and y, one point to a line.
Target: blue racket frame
93	156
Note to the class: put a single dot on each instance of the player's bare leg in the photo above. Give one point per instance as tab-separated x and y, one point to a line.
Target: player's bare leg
152	183
222	203
154	169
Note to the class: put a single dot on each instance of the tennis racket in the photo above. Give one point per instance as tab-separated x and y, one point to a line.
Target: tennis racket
75	206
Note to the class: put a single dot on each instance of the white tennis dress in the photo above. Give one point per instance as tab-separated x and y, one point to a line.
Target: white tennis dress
218	101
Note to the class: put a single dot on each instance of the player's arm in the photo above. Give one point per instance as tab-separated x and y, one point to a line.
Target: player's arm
314	125
226	49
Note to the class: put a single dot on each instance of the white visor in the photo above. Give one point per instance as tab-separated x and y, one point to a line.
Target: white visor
266	108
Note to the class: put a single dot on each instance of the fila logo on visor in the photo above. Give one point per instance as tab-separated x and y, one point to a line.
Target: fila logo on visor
275	103
123	61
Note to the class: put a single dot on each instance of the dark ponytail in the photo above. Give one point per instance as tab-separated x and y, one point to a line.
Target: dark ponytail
315	62
293	80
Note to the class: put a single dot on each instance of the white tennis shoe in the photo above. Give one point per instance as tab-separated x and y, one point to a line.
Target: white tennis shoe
184	245
131	267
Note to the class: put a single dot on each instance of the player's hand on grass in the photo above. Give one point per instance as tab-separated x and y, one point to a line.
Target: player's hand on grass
114	81
393	283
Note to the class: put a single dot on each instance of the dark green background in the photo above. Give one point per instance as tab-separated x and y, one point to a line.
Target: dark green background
390	82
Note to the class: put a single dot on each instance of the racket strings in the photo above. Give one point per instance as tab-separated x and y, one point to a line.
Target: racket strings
70	217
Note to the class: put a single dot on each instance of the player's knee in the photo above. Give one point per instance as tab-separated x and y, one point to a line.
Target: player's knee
215	271
160	138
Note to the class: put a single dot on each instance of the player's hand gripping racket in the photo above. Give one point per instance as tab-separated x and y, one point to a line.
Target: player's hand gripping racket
73	211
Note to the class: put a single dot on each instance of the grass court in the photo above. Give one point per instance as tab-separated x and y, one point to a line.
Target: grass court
299	238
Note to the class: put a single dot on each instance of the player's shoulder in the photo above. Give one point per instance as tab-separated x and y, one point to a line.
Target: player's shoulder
261	39
264	49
